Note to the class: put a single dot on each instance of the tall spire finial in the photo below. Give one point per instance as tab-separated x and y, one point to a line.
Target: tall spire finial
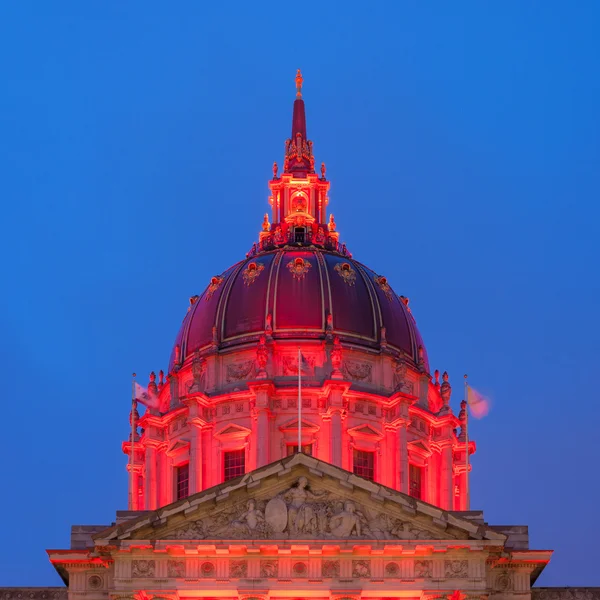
299	84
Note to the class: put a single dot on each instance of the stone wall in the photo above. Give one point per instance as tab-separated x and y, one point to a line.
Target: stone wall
33	593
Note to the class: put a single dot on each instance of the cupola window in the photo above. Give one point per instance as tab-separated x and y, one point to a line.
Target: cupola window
415	481
182	481
299	235
234	464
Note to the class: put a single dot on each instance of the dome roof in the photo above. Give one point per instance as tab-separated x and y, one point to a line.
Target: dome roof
305	293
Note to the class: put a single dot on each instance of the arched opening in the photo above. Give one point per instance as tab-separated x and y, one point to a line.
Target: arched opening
299	235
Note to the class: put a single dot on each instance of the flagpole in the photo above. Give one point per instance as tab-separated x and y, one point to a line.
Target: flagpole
299	401
468	492
131	447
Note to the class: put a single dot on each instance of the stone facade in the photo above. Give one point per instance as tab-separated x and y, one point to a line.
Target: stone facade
304	525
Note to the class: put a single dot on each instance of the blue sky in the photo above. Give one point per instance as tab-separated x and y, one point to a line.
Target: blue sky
462	141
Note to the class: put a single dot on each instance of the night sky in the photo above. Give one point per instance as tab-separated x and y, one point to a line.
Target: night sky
462	143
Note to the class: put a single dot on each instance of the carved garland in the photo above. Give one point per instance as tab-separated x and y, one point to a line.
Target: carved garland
252	271
346	272
299	268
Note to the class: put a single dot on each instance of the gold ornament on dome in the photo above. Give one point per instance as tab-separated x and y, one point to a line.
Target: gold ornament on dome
215	282
346	272
252	271
381	281
299	268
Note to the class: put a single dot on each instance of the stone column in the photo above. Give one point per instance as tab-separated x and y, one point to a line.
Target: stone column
262	437
196	459
325	439
446	480
335	451
151	502
208	456
389	468
261	412
402	443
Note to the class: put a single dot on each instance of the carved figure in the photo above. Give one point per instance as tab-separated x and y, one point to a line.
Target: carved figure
331	226
446	389
198	373
250	521
191	531
345	523
278	237
262	357
301	514
265	224
320	237
336	356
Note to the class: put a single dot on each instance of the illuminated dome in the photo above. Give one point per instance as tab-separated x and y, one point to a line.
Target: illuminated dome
299	292
298	348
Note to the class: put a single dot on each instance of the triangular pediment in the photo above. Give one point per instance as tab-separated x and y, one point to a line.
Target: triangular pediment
299	498
292	425
365	431
231	431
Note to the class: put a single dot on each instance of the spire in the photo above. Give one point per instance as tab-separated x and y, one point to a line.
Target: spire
298	149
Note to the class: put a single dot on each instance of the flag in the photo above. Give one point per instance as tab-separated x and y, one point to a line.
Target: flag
478	403
146	397
303	364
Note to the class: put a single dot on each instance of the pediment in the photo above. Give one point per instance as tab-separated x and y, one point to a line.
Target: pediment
292	425
177	447
232	431
299	498
365	431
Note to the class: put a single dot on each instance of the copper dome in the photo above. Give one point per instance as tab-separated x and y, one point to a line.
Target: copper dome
306	293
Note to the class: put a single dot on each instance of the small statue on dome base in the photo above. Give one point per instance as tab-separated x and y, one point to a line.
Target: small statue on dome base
336	359
278	237
445	391
265	224
332	224
262	356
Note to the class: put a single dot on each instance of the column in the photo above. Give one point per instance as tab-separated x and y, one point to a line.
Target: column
335	451
262	437
389	468
151	503
208	457
402	484
196	460
446	491
324	452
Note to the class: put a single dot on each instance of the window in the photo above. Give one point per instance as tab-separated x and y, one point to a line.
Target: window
182	481
364	464
307	449
299	235
415	481
234	464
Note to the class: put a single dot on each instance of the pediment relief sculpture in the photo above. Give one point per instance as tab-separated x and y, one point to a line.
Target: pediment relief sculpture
301	512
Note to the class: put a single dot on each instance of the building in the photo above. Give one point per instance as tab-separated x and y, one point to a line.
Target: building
299	446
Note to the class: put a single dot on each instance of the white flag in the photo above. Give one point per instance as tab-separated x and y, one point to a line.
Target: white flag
478	403
146	397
